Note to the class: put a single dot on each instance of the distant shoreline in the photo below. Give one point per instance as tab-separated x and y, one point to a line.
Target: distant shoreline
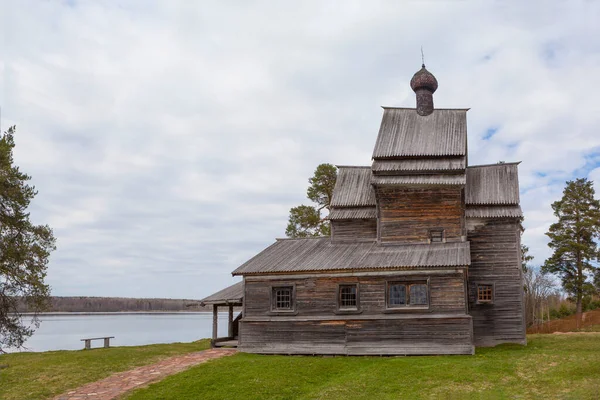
63	313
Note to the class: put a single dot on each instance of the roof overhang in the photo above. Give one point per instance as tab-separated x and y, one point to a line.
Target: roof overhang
314	255
230	296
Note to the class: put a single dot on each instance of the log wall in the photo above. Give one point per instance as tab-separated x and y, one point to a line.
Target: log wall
406	215
393	335
316	326
318	295
354	229
496	260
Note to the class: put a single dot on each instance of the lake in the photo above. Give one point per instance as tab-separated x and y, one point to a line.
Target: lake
64	331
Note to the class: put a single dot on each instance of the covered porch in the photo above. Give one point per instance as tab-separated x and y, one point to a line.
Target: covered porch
229	298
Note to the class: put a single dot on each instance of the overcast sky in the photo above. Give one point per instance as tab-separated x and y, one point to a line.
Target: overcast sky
168	140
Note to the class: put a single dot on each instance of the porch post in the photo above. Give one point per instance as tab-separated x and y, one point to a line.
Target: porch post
230	322
215	324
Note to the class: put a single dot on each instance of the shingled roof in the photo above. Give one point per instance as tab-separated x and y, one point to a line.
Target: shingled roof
404	133
511	211
438	179
230	295
485	185
421	165
353	187
321	254
352	213
492	184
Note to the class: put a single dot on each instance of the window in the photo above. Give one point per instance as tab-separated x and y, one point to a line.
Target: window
485	293
436	235
418	294
282	298
348	297
405	294
397	296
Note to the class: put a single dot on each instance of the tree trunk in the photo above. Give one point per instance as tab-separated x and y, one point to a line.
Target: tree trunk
580	280
579	308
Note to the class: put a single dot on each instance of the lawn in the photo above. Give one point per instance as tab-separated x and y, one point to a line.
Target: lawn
43	375
550	367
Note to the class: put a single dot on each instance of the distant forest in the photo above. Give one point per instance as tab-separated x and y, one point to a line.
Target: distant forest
116	304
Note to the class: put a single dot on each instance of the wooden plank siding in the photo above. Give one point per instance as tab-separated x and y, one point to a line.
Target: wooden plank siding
406	215
315	326
395	335
354	229
496	260
318	296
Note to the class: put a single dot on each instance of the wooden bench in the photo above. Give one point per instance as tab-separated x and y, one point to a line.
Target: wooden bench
88	342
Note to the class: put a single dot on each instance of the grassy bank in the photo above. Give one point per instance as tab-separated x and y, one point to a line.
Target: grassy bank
550	367
43	375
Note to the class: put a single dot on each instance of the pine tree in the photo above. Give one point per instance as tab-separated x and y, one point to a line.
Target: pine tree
526	258
573	239
321	185
306	221
24	250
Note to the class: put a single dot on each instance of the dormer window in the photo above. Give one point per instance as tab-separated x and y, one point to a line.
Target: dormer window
436	236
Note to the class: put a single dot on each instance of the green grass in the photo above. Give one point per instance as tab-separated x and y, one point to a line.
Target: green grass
550	367
43	375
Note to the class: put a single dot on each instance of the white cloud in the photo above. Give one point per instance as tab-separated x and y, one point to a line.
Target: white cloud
168	140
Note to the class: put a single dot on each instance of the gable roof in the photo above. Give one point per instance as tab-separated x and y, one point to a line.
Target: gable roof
353	187
492	184
404	133
321	254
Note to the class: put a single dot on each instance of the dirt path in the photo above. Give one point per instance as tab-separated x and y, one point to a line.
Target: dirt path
118	384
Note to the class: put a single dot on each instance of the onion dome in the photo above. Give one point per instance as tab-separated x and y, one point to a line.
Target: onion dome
424	79
424	84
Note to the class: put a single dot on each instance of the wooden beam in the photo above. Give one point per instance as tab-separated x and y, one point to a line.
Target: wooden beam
215	324
230	322
397	272
360	317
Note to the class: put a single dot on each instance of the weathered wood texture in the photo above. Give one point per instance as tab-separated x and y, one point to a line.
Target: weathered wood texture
322	254
403	133
407	214
230	322
354	229
318	296
215	323
395	335
495	259
88	341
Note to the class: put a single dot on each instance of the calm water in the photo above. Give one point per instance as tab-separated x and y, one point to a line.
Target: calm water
63	332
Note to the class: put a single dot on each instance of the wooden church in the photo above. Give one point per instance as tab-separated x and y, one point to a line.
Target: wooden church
424	255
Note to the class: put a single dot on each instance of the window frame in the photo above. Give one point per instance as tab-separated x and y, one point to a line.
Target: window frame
485	302
436	230
273	299
407	282
345	309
